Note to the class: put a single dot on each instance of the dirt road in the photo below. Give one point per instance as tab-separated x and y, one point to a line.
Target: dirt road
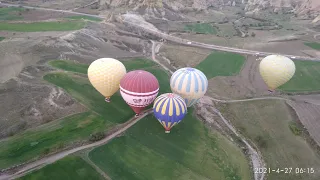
170	37
256	158
55	157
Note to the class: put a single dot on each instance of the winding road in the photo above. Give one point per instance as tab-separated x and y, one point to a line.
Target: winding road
256	158
171	38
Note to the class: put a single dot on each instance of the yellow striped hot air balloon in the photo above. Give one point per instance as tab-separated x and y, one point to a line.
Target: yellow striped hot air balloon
276	70
105	75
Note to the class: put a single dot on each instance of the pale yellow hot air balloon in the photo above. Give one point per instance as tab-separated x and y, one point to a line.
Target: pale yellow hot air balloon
276	70
105	75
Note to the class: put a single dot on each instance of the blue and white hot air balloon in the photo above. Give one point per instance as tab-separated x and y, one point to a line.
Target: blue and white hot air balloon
189	83
169	109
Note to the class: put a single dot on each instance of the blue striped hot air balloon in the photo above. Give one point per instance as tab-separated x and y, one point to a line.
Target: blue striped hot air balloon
169	109
189	83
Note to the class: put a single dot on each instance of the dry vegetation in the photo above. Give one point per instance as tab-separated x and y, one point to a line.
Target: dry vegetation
267	124
309	115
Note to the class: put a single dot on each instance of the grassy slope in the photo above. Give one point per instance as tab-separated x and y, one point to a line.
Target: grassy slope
204	28
190	143
69	168
2	38
33	143
9	14
81	89
306	78
43	26
56	134
313	45
85	18
190	151
267	124
221	64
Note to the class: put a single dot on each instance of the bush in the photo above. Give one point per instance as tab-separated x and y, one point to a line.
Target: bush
46	151
262	142
96	136
295	128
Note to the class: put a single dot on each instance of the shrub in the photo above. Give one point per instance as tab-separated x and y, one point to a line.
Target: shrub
295	128
262	142
96	136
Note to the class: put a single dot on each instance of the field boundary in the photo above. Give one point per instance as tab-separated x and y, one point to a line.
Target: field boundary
19	171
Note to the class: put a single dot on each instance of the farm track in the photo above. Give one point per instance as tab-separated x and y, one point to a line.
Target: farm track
55	157
168	37
256	158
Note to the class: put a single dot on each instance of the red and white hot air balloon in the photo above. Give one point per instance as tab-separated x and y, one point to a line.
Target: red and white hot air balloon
139	89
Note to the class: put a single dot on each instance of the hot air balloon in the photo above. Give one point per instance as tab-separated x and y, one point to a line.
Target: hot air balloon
105	75
139	89
276	70
169	109
189	83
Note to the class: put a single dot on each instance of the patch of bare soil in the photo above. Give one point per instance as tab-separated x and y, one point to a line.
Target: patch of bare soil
29	102
311	53
311	99
247	84
183	56
212	39
288	47
309	114
95	41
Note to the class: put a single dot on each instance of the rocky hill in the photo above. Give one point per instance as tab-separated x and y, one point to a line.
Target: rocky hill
299	7
302	8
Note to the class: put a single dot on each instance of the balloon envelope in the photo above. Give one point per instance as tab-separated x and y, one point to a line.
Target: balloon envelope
169	109
105	74
139	89
276	70
189	83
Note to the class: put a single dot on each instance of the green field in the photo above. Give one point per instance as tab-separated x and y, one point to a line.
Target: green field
11	13
132	64
43	26
70	66
85	18
267	124
313	45
190	151
58	134
69	168
81	89
306	78
2	38
203	28
221	64
49	137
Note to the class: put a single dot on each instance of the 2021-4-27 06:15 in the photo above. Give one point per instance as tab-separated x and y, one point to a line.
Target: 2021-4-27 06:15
286	170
